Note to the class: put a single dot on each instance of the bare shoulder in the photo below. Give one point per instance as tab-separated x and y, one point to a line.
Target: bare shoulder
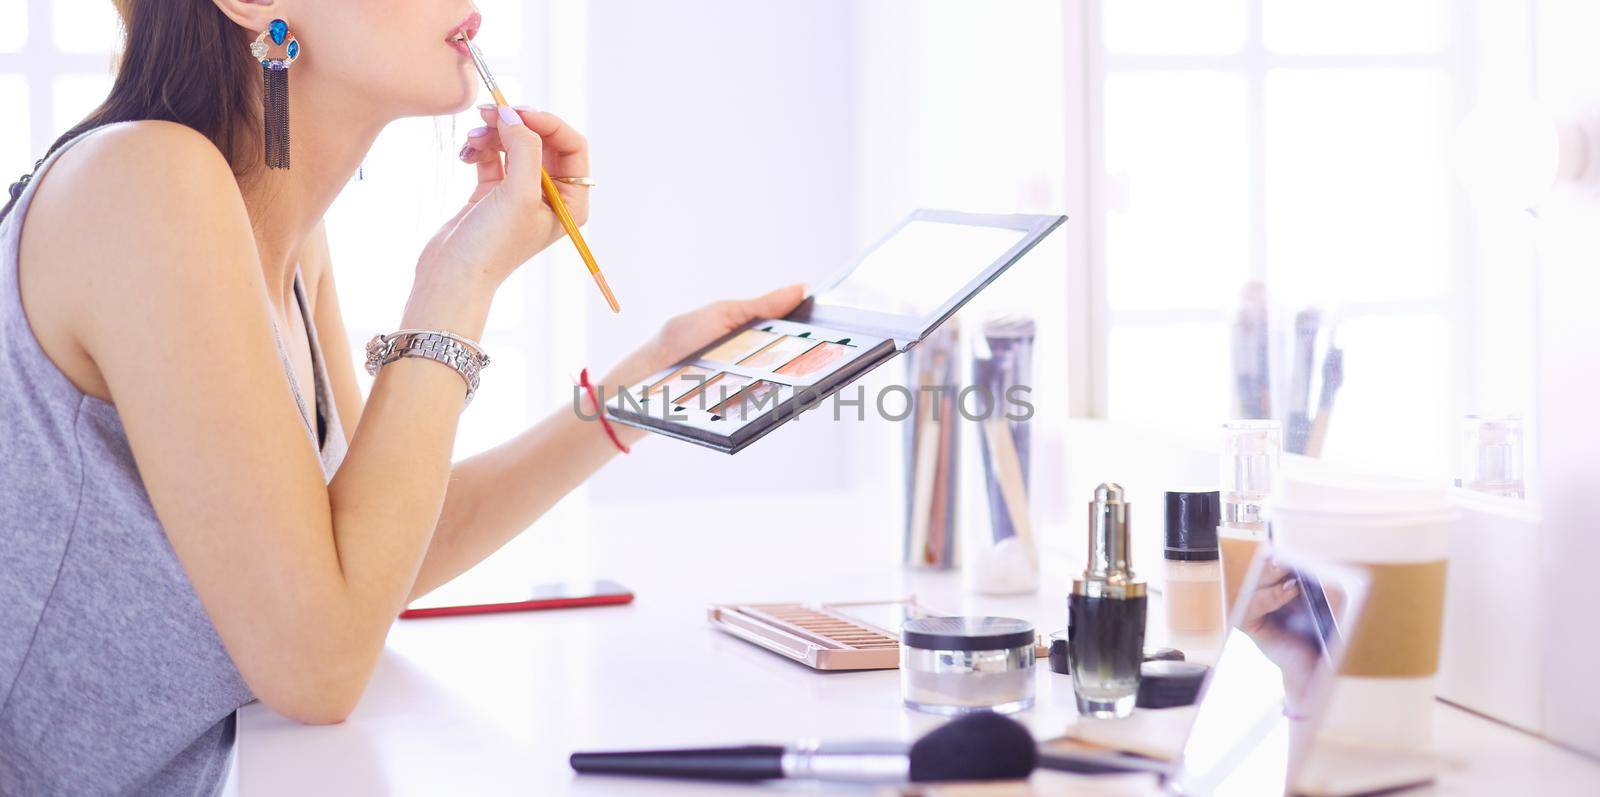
132	172
129	220
151	192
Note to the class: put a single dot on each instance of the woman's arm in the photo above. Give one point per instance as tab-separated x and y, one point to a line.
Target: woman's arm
301	578
495	495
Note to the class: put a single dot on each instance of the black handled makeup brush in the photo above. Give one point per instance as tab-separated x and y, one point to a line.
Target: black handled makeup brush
981	746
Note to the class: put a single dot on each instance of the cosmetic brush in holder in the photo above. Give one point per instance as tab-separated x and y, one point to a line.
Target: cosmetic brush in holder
1001	556
931	450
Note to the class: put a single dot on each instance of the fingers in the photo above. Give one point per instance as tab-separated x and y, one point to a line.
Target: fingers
1267	600
480	140
778	303
1273	573
483	150
559	137
524	152
566	151
775	304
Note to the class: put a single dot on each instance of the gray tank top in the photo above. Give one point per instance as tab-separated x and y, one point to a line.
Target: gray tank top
112	678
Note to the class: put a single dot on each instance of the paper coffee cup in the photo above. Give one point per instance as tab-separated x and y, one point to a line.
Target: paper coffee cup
1396	531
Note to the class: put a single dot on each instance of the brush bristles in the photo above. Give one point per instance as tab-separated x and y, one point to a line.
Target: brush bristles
483	68
981	746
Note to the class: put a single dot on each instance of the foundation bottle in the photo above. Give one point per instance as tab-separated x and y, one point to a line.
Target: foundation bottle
1192	581
1250	453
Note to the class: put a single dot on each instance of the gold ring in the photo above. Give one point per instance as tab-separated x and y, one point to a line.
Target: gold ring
583	181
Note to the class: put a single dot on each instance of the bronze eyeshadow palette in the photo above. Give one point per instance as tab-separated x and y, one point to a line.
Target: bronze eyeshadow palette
755	379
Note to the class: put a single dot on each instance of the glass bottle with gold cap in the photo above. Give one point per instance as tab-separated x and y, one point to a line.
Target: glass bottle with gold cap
1106	612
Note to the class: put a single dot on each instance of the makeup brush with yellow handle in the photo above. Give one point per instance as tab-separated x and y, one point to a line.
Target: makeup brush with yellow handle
550	192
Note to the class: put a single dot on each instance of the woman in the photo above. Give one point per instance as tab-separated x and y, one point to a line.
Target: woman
199	506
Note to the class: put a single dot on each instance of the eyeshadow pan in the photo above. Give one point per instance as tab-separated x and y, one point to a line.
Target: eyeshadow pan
778	352
718	388
753	396
816	360
741	345
679	382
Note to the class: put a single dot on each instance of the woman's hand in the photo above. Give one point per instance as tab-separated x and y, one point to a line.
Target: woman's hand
1274	589
1295	654
683	334
507	221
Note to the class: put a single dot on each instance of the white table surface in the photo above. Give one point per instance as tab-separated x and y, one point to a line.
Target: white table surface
494	704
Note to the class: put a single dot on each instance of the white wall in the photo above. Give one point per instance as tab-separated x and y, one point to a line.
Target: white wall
961	107
745	144
724	138
1569	393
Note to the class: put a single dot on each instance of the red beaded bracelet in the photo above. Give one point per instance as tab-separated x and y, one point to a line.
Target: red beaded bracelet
600	410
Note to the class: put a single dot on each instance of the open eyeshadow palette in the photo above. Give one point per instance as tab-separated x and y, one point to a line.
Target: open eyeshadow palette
729	394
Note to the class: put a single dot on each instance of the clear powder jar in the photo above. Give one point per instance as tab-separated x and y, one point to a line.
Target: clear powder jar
958	665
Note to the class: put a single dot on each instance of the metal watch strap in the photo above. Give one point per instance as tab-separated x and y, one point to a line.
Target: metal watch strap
461	354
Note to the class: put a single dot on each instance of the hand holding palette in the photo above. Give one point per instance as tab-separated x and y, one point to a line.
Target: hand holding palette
755	379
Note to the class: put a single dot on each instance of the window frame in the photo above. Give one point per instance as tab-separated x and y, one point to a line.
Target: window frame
40	62
1089	64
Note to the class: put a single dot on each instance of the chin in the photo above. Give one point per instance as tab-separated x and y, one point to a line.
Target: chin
448	99
466	93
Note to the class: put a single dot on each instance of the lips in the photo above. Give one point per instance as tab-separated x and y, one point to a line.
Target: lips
469	28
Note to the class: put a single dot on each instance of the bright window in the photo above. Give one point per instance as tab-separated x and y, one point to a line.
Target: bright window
13	27
1301	149
82	26
15	142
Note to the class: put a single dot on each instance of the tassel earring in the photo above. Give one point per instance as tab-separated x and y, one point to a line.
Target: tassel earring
277	49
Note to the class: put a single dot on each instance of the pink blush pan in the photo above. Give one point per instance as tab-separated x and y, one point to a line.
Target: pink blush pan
815	360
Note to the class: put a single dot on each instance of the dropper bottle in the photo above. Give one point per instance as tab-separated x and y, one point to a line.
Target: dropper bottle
1106	613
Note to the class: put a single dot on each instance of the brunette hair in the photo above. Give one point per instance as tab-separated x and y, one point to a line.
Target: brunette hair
182	61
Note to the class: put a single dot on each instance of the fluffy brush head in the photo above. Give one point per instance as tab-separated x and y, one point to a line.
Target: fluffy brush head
984	746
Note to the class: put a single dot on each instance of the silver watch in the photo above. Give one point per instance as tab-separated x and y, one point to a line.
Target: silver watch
462	354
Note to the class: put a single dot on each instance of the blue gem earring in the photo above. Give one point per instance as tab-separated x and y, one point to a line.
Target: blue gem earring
277	49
